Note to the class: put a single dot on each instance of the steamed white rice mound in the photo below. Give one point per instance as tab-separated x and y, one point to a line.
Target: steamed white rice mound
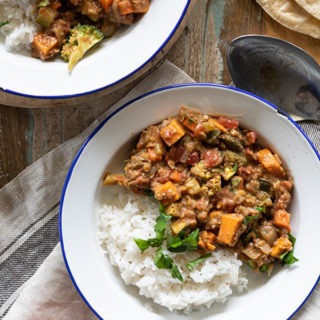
18	34
134	216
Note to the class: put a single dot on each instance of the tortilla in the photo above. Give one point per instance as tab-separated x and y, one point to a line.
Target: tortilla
311	6
292	16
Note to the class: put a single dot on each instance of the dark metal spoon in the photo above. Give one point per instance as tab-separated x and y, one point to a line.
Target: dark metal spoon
278	71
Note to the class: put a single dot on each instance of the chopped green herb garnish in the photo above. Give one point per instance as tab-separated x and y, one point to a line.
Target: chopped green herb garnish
163	261
178	244
190	119
3	23
145	244
248	219
149	193
261	209
264	268
161	224
190	265
175	272
159	228
288	257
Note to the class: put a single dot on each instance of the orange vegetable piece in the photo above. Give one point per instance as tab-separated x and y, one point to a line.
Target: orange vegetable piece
281	219
230	224
172	132
140	6
125	7
106	4
45	46
166	191
280	246
175	176
206	240
217	125
190	124
270	162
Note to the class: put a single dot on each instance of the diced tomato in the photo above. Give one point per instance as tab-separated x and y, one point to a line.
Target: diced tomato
251	137
211	157
199	130
193	158
228	123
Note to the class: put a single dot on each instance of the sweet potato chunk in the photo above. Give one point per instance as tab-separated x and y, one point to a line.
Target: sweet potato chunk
166	191
270	162
229	227
281	245
172	132
45	46
281	219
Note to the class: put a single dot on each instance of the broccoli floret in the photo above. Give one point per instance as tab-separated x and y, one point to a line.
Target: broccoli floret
79	41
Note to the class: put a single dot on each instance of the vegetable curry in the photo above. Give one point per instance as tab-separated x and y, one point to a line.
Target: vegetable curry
215	181
101	19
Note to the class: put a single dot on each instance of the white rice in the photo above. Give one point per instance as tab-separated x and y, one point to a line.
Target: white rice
18	34
134	216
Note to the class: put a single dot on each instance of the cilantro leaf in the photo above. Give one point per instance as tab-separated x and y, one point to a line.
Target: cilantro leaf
3	23
161	223
178	244
175	272
162	260
248	219
288	257
145	244
190	265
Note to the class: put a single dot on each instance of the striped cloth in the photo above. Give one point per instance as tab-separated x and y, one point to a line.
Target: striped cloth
32	271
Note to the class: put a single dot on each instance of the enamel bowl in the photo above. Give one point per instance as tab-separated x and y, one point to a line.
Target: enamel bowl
128	54
99	284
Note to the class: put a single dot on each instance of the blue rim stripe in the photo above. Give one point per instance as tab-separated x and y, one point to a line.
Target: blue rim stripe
97	129
114	83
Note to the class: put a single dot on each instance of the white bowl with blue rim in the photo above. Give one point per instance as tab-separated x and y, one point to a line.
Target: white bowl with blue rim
278	297
130	52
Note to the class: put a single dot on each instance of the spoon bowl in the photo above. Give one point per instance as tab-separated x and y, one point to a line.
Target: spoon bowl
278	71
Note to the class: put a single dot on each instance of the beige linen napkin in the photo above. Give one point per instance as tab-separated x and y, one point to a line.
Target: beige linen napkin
34	283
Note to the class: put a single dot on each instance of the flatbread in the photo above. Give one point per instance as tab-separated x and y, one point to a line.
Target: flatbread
311	6
292	16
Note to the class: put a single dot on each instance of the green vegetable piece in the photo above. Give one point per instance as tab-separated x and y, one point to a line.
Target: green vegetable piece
265	185
46	16
178	244
213	135
190	265
44	3
80	40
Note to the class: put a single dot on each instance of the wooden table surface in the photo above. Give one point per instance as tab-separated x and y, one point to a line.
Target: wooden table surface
26	134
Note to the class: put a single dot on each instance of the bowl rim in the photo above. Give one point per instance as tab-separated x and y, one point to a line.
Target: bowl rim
114	83
120	108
